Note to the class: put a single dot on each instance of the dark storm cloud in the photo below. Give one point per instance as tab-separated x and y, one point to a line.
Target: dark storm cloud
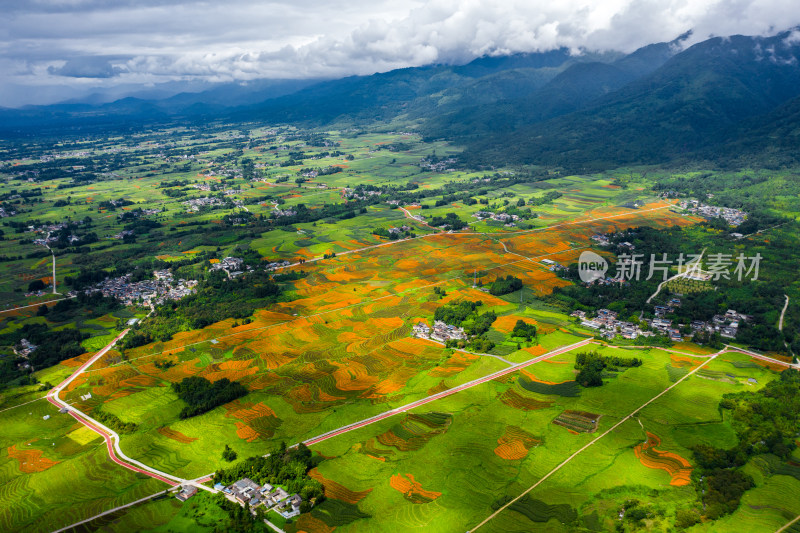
86	67
152	41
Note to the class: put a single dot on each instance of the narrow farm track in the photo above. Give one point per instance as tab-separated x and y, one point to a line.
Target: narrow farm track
591	443
687	272
35	305
728	347
788	525
783	312
114	510
111	437
762	357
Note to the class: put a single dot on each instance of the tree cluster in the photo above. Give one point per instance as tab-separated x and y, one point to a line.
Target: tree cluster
285	467
591	366
112	421
450	222
202	395
524	330
505	285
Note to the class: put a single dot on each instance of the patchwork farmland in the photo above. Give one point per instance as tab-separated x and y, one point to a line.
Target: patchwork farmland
406	432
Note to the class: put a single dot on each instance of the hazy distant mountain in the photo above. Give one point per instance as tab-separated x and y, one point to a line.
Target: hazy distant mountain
726	99
95	111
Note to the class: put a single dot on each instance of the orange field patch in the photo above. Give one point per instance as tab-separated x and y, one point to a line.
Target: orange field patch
182	370
308	524
691	347
393	383
412	489
506	323
77	361
676	466
30	460
216	372
536	350
337	490
518	401
515	443
772	366
139	381
234	365
352	376
683	361
245	432
248	412
456	363
175	435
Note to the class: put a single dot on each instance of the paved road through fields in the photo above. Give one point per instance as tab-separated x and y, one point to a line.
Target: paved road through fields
110	436
443	394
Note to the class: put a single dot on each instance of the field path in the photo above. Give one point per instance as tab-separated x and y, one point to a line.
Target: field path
689	270
36	304
115	509
382	416
588	445
111	437
790	524
762	357
410	216
783	312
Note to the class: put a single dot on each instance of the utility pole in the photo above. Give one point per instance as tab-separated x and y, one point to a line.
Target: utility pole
54	272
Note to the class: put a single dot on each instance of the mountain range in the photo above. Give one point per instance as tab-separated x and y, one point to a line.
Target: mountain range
730	101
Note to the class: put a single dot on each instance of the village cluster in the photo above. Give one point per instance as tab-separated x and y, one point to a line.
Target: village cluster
150	292
233	266
288	212
441	165
248	492
195	204
505	218
609	325
441	331
732	216
206	201
361	194
208	187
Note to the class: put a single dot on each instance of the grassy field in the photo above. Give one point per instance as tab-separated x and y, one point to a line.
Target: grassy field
491	450
55	472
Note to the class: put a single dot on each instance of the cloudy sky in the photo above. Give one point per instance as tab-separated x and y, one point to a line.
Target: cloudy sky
52	50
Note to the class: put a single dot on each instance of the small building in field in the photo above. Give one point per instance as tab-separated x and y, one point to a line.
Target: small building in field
187	491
